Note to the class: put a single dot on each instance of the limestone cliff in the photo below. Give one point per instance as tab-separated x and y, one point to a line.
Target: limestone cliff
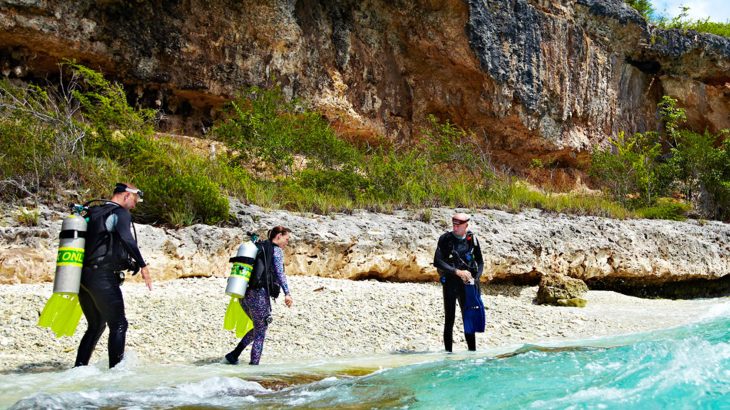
635	256
534	78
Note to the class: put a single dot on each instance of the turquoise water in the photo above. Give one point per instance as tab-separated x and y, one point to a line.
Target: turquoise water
685	367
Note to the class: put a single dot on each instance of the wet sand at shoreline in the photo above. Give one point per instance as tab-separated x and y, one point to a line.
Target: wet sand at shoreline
181	321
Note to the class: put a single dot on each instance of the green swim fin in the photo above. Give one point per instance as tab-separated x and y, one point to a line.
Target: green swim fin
237	319
61	314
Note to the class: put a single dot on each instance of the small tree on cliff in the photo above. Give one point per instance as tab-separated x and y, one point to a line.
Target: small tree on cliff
643	7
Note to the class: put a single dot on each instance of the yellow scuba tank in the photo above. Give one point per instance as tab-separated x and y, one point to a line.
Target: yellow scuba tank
241	270
62	311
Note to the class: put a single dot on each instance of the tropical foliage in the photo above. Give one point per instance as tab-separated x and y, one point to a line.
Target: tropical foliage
639	170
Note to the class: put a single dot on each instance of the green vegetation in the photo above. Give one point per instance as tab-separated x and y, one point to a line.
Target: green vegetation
83	136
681	21
28	217
263	125
684	23
644	8
642	170
447	167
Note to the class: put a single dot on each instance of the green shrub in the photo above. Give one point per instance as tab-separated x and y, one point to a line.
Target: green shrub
684	23
701	164
630	167
346	182
636	170
97	176
40	140
644	7
455	148
105	106
665	208
181	199
263	124
28	217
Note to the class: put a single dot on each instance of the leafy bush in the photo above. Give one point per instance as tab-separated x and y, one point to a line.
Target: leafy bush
40	139
666	208
451	146
263	124
181	199
28	217
702	171
684	23
637	170
644	8
105	106
346	182
629	167
86	137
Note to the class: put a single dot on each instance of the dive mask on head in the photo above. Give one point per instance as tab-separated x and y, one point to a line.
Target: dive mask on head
138	192
124	188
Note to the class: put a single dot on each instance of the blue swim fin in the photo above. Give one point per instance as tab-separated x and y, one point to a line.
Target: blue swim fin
474	317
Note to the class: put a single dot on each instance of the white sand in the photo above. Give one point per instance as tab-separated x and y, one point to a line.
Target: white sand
181	321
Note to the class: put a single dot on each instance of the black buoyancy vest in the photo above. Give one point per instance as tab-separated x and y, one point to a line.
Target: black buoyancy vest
459	259
102	248
264	273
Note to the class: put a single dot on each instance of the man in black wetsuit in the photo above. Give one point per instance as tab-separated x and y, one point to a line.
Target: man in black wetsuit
109	247
458	259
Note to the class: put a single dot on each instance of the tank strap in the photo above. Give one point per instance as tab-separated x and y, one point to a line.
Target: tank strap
242	259
72	234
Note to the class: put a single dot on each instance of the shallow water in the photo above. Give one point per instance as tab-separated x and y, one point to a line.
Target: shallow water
683	367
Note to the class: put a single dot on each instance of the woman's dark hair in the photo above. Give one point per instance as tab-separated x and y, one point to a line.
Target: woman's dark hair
278	230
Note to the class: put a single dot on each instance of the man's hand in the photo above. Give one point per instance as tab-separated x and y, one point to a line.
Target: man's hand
288	301
465	275
146	276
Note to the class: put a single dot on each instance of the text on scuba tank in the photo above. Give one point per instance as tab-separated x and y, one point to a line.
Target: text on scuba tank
70	257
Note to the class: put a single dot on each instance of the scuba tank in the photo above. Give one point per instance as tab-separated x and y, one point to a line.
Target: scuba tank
241	269
63	311
236	318
70	258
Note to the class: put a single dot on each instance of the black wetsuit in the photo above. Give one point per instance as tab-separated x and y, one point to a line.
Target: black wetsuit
100	296
451	254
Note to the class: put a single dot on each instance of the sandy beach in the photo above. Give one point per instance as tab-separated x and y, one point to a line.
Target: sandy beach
181	321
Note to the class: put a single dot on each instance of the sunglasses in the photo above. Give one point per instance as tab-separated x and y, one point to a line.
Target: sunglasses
458	222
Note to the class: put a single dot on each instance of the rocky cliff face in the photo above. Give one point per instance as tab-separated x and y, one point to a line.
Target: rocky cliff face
637	256
533	78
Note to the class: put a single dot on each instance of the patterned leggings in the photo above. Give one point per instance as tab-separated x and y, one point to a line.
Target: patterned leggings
256	305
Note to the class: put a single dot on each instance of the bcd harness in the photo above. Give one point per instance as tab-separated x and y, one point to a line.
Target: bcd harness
115	256
456	259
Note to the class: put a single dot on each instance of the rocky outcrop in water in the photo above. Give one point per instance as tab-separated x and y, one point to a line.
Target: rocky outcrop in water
635	256
534	79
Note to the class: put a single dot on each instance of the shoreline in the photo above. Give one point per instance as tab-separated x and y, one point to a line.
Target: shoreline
181	321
